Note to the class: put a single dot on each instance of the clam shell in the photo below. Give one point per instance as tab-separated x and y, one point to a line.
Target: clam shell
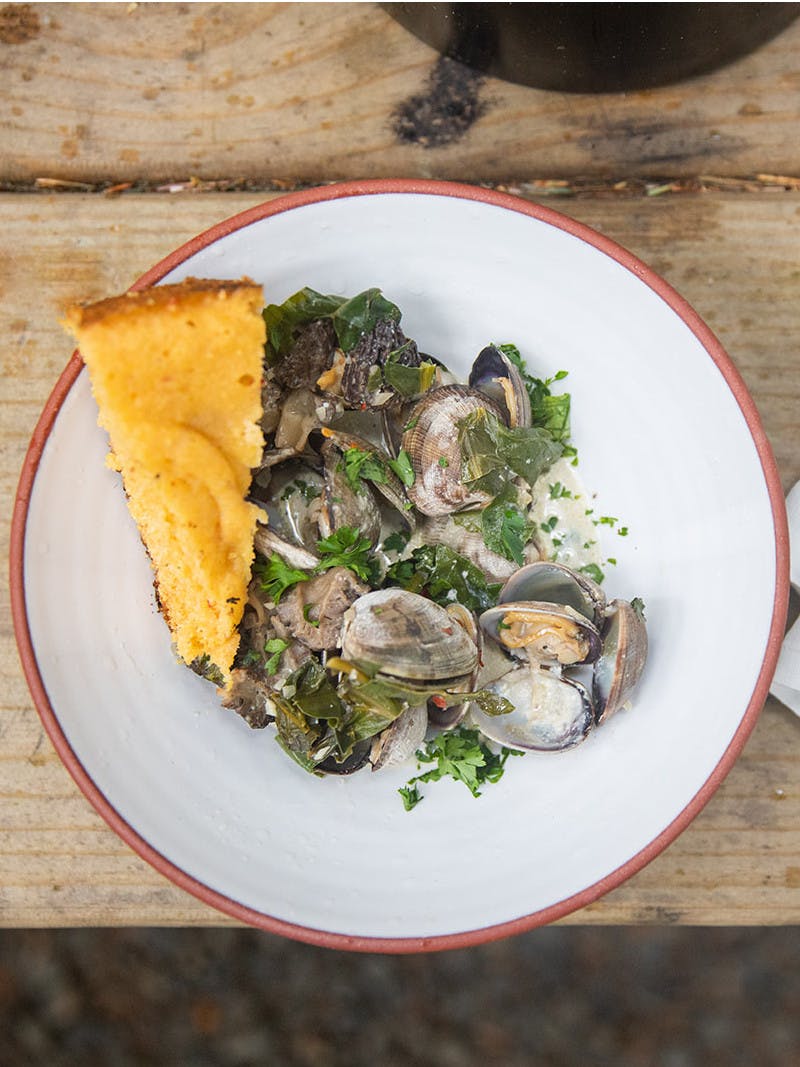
622	660
549	633
495	375
401	740
432	445
549	714
556	584
407	636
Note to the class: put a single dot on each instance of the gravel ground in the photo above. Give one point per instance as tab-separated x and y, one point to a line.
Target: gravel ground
556	996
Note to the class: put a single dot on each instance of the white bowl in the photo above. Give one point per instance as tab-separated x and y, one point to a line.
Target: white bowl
668	438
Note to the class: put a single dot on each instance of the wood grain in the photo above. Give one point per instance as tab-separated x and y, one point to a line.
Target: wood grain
733	256
310	92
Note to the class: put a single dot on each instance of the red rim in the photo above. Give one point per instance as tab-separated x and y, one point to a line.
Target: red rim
570	904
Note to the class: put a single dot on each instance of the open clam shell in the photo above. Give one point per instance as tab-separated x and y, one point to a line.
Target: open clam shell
548	633
556	584
549	713
622	660
494	374
407	636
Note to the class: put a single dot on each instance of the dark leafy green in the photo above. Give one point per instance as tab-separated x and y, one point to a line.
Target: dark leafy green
445	576
505	528
491	452
356	317
283	320
408	381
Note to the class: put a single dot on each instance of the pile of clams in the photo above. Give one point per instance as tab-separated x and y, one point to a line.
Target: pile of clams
356	664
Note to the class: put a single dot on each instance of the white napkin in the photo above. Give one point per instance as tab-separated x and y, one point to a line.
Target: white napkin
786	683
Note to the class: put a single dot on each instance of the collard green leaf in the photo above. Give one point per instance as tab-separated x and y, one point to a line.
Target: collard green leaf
283	320
445	576
505	528
356	317
488	446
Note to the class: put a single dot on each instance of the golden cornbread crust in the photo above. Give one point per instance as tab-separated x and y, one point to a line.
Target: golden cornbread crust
176	372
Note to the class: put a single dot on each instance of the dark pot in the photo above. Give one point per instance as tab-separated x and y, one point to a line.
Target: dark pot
594	48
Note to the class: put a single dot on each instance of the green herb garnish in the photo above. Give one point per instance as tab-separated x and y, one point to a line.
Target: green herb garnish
593	571
395	542
277	576
459	754
347	548
276	646
638	606
411	796
362	465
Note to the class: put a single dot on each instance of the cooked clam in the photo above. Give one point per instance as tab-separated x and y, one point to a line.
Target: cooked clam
556	584
622	659
344	506
549	633
406	636
431	441
549	713
494	374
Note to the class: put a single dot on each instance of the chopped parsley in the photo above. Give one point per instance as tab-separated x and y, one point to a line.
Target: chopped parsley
549	524
347	548
560	492
362	465
459	754
638	606
593	571
277	576
276	646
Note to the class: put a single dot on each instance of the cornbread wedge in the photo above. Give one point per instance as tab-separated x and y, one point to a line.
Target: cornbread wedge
176	372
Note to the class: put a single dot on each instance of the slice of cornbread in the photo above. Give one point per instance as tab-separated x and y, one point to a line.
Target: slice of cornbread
176	372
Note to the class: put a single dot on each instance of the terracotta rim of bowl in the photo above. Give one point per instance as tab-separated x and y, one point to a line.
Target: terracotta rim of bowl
570	904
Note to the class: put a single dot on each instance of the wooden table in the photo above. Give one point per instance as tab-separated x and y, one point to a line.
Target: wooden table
127	128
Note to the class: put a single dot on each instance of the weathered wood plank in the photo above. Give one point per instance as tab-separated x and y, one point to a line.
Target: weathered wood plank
734	257
310	92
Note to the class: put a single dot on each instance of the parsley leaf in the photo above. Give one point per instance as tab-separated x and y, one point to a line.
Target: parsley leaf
593	571
396	541
276	646
347	548
277	576
459	754
411	796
